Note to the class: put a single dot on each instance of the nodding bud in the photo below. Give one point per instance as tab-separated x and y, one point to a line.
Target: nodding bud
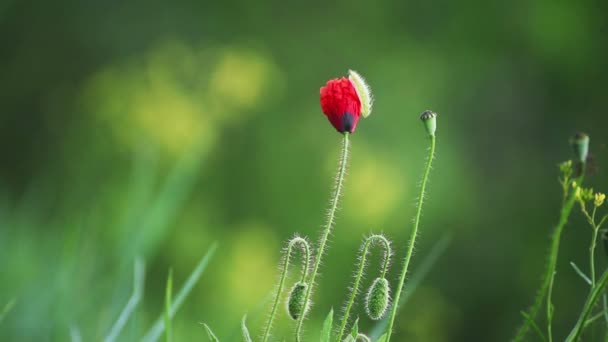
378	298
580	145
295	304
429	118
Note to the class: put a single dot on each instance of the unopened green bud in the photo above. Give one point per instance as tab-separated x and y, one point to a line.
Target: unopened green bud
580	144
429	118
378	298
295	304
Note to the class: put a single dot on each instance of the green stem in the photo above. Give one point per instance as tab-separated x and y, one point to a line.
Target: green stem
364	251
329	224
592	247
410	248
592	299
549	276
305	266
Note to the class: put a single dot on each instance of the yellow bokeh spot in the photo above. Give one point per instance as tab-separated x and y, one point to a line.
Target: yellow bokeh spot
374	187
251	268
177	96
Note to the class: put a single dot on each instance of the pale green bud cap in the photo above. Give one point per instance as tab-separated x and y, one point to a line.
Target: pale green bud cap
364	92
429	118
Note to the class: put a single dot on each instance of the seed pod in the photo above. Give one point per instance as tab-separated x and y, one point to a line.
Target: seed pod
580	145
429	118
295	303
377	300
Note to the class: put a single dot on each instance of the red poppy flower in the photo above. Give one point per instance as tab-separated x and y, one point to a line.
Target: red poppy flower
341	104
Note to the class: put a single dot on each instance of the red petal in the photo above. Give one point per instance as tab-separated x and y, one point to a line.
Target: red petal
339	97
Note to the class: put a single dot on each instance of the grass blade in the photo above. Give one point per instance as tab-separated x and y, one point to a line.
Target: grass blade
246	335
168	292
159	326
138	291
210	334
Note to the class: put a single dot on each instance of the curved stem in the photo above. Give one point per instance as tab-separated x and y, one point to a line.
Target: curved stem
305	266
364	251
549	276
329	224
410	248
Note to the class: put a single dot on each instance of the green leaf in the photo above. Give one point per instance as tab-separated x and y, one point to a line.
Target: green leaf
168	292
246	335
210	334
159	326
382	338
355	332
327	325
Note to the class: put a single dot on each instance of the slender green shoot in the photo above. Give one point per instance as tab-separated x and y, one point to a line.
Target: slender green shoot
159	326
412	241
138	290
328	226
549	275
375	238
303	244
580	273
168	292
592	299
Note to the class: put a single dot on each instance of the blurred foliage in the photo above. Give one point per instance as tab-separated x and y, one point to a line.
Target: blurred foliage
154	128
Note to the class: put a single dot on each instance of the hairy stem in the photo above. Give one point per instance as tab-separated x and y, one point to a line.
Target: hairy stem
362	263
410	248
305	266
592	299
329	224
549	276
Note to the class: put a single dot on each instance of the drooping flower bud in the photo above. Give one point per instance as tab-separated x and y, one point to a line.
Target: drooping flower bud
429	119
377	300
344	100
580	144
295	303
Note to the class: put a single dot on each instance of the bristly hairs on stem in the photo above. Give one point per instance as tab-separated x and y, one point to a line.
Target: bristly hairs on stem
337	191
303	245
374	239
546	288
429	119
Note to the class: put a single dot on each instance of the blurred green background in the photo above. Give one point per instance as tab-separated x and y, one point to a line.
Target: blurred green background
153	128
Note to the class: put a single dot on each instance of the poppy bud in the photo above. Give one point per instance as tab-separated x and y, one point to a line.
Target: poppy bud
377	300
295	304
344	100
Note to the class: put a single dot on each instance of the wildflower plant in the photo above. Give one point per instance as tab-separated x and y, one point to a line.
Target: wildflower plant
344	101
572	174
